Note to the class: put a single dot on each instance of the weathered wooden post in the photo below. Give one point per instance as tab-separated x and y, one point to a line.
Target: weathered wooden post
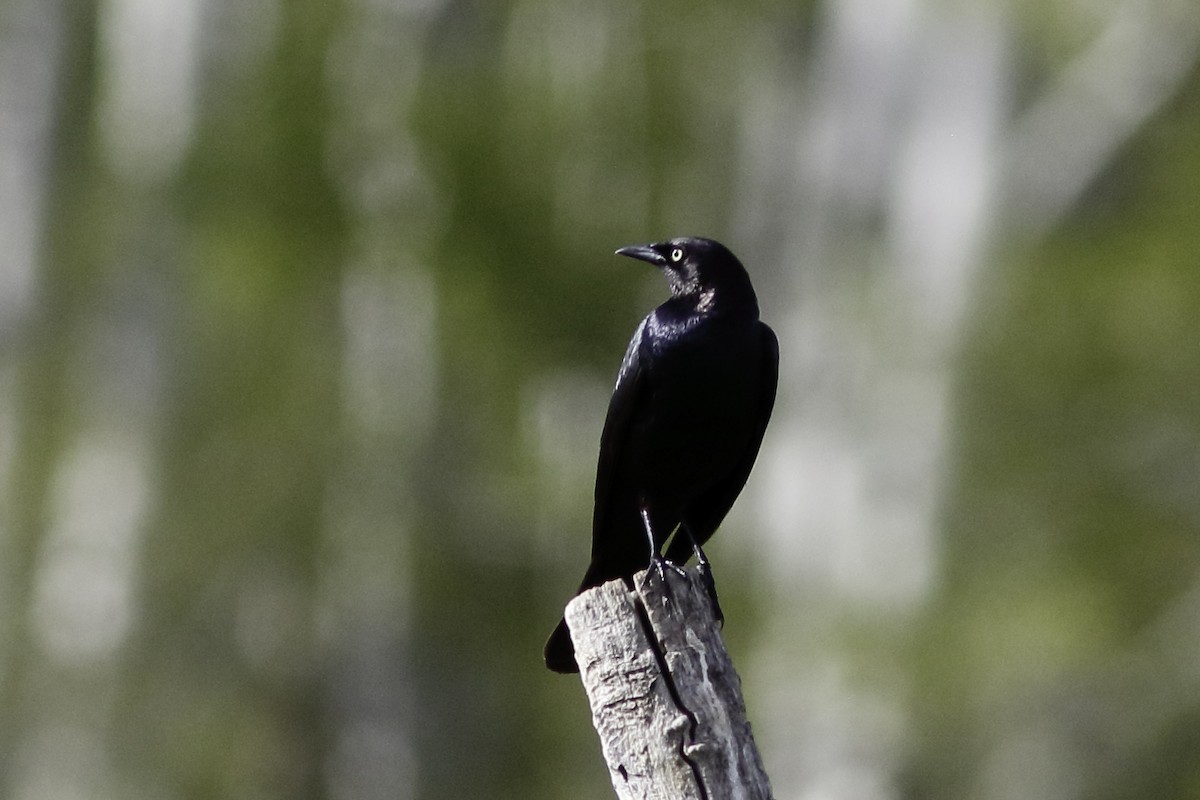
664	695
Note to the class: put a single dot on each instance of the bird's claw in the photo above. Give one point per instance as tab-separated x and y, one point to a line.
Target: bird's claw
661	566
710	588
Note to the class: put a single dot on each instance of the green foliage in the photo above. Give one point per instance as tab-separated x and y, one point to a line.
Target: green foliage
1072	532
315	590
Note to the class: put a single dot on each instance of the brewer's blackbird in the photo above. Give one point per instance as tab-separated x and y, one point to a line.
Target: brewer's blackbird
685	422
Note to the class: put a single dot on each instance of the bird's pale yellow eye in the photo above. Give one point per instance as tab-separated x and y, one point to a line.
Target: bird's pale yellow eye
677	254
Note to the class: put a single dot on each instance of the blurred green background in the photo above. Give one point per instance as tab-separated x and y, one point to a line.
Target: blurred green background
309	317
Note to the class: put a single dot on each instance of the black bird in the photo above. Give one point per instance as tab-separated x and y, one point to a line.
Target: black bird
685	421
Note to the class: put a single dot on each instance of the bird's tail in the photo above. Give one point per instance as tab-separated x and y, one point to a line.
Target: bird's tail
560	652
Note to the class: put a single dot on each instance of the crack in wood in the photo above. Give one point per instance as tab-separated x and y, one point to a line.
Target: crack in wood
660	656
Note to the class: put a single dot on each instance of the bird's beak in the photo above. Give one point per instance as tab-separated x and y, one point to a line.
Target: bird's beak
644	252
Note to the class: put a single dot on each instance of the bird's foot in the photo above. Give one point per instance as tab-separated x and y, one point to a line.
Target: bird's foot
710	588
706	577
660	566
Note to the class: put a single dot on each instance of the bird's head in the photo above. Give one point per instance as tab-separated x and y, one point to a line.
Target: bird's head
700	271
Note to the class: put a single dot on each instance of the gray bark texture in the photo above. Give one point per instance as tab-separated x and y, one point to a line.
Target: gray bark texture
665	698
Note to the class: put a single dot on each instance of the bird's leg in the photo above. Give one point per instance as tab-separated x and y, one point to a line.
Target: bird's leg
657	562
706	576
